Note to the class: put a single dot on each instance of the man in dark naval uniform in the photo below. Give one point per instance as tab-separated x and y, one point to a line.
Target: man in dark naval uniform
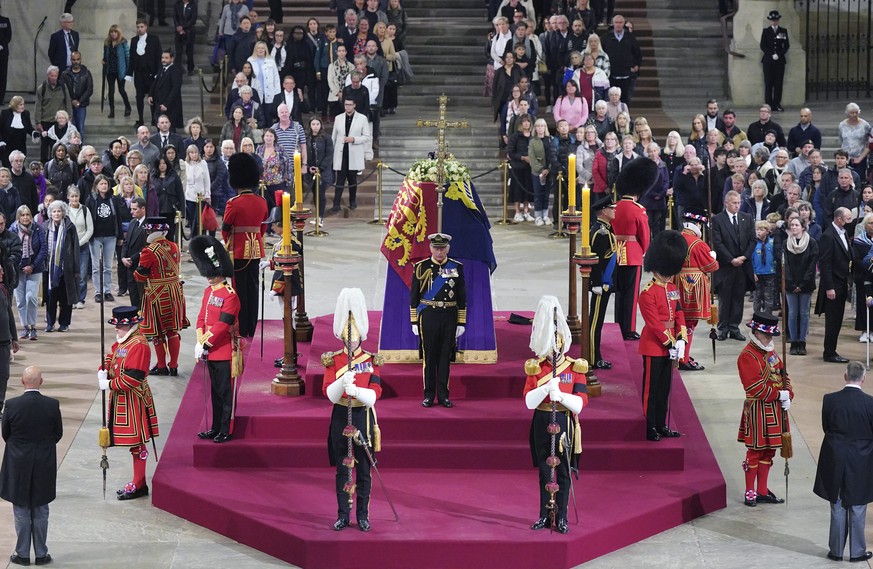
438	312
774	44
602	245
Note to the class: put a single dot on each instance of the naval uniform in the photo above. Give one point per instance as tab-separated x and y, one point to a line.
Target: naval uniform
693	282
243	230
602	245
632	236
366	367
217	330
774	42
438	305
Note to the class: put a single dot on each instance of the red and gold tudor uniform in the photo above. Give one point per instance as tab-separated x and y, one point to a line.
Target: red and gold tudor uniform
693	282
132	419
366	368
163	303
631	228
763	420
217	332
571	376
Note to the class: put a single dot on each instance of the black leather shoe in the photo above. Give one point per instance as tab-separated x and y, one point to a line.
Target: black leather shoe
210	434
447	404
834	557
159	371
722	336
427	403
138	493
335	209
43	560
736	335
691	365
353	205
174	371
778	109
364	525
603	364
541	523
835	359
222	437
652	435
667	432
865	557
15	559
64	328
631	336
561	526
770	498
108	297
340	524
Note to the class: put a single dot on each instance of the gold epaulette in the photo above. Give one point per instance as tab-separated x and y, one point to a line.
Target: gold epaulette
648	285
580	365
455	261
603	230
532	366
327	358
378	360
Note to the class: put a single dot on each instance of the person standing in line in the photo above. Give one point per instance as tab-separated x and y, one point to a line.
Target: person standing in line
32	427
5	40
165	96
116	55
145	62
733	240
80	84
835	260
845	462
185	18
63	43
351	137
774	44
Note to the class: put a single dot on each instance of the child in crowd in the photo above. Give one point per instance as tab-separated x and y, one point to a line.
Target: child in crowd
764	265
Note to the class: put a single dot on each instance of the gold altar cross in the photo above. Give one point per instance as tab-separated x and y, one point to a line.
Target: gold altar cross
442	125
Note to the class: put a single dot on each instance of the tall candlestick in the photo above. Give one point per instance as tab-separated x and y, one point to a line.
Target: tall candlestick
586	218
286	222
571	180
298	182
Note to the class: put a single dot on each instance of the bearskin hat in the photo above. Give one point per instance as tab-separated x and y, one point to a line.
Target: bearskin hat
637	177
210	257
243	171
666	253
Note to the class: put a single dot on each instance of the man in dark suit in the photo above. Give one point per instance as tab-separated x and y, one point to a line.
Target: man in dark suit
834	264
845	462
713	121
185	18
165	96
5	39
292	96
133	245
63	42
733	240
145	62
31	427
774	44
166	136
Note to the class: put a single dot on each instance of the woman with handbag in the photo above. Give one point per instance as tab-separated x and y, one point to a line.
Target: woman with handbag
196	185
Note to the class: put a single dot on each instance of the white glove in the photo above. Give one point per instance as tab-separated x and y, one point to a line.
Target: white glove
273	295
554	384
786	404
128	78
198	351
103	384
263	264
784	395
415	329
459	331
556	395
102	374
712	254
775	57
598	290
680	348
348	378
352	390
674	353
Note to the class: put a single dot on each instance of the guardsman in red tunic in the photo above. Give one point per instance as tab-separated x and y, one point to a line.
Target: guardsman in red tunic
664	334
163	303
356	385
768	398
693	282
217	338
554	378
243	231
132	420
631	228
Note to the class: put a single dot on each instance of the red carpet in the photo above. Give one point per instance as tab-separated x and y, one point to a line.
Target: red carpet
460	478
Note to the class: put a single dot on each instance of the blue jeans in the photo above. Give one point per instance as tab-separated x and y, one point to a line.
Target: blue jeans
78	119
84	259
25	297
798	315
102	247
541	193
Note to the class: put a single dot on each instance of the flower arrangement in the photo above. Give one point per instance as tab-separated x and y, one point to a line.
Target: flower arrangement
425	170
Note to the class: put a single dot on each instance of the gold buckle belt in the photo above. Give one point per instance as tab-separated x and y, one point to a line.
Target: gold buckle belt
440	303
345	402
625	237
246	229
547	406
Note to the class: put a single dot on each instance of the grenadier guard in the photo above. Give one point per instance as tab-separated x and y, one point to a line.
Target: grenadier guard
132	419
631	228
356	385
602	245
279	280
218	342
243	231
163	304
768	397
438	312
553	377
664	333
693	282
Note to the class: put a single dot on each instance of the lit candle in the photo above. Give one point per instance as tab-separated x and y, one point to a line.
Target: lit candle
298	182
286	222
586	217
571	180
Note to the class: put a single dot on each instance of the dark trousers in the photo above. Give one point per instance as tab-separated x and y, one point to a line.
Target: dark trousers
121	271
657	379
774	71
542	441
221	390
276	10
186	41
134	289
731	293
149	7
57	307
437	328
4	68
111	81
46	143
339	447
627	281
245	281
5	358
834	310
597	314
142	82
344	177
657	221
375	121
626	84
31	525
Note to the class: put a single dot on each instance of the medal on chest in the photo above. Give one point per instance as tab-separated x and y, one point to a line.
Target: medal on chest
566	378
216	301
673	295
363	367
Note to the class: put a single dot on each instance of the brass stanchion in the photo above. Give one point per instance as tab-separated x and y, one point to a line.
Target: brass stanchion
202	100
670	206
222	79
504	165
199	215
303	328
178	228
559	234
317	232
379	166
572	219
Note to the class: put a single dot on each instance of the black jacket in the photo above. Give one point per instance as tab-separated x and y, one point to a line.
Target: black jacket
833	264
170	194
134	243
728	244
800	267
185	18
149	63
622	54
80	85
167	90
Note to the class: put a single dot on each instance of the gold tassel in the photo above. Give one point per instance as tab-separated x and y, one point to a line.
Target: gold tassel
377	432
103	437
577	437
787	450
236	363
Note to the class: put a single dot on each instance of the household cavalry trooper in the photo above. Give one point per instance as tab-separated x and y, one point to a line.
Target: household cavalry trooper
602	245
438	312
163	303
693	282
352	383
553	378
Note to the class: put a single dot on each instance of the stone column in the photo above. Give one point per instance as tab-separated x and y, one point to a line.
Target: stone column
746	75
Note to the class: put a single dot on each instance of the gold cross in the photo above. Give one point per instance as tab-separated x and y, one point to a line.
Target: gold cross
441	124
